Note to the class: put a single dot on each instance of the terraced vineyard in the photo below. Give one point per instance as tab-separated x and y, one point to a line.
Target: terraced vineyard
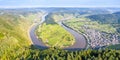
53	35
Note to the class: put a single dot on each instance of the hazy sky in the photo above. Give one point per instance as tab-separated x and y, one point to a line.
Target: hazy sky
59	3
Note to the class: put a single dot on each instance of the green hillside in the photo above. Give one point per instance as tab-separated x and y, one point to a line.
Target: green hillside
106	18
53	35
14	34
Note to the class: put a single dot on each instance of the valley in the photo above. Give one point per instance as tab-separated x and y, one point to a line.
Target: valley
59	34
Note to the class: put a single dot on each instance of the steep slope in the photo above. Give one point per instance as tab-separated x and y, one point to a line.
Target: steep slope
106	18
13	34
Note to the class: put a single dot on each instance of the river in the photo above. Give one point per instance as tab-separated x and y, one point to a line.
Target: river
80	41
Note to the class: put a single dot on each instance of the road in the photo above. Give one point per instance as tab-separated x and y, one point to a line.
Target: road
80	42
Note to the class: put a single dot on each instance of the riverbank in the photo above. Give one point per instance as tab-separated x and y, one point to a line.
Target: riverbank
80	42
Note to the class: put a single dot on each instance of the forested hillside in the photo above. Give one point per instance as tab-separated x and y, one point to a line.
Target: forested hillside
112	19
14	37
106	18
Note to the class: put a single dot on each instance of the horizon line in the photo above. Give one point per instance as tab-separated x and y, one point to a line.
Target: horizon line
12	7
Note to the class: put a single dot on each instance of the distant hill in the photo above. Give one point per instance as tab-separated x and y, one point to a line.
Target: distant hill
80	11
106	18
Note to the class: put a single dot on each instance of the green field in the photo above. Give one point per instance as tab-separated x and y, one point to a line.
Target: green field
54	35
78	23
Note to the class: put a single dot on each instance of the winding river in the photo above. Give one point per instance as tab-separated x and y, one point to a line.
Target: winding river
36	42
80	42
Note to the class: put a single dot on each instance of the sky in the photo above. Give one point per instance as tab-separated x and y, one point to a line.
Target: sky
58	3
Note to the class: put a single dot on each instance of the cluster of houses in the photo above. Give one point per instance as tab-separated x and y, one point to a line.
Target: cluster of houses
100	39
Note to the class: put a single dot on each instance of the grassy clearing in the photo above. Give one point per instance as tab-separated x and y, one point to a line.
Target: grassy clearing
54	35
